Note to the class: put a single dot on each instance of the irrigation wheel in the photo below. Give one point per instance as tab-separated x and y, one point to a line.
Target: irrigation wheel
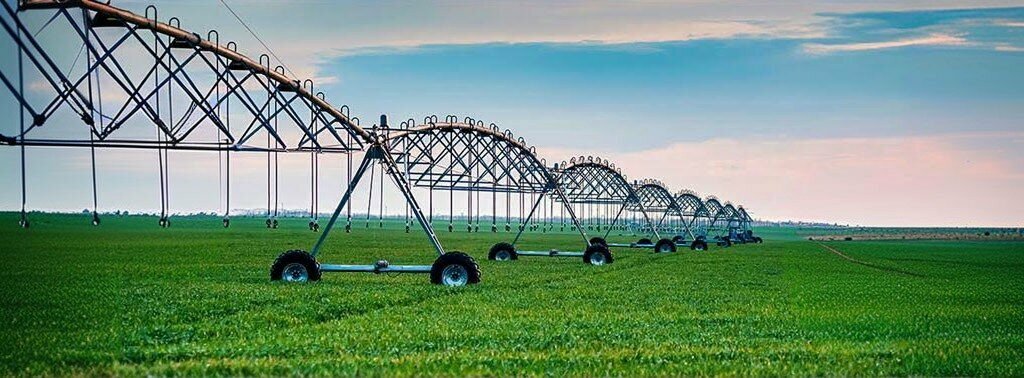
455	269
597	255
295	266
699	245
503	252
664	246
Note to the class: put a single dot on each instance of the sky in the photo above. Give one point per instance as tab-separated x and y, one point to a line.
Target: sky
902	113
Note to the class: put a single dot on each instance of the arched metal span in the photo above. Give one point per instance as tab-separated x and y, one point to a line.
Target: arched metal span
196	93
714	215
745	220
654	196
731	216
690	203
453	155
691	209
591	181
466	155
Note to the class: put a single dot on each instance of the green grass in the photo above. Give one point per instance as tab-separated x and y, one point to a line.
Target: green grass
129	298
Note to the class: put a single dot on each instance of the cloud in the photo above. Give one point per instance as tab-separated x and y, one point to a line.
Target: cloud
948	180
40	86
1010	23
1009	48
930	40
329	30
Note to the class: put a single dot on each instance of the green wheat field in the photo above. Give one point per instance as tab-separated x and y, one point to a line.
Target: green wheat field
130	298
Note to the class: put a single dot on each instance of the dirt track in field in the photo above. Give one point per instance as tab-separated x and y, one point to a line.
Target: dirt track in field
920	236
867	264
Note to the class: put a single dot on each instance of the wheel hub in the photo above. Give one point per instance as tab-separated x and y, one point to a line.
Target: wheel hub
503	256
454	275
597	259
295	272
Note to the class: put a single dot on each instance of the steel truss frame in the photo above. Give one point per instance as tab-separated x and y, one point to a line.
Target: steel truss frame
178	62
658	199
692	210
592	181
467	155
717	222
740	230
198	94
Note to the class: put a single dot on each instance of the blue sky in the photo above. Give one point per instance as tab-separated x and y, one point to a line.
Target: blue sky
731	98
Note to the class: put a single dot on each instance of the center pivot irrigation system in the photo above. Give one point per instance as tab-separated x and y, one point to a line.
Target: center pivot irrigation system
112	73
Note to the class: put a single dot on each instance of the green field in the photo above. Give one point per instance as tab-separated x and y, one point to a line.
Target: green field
129	298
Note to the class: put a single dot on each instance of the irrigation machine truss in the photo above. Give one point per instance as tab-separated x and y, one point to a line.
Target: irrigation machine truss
198	94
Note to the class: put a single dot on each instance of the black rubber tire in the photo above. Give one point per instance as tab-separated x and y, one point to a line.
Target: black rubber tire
758	240
664	243
599	241
595	249
455	257
493	254
95	220
227	222
268	222
273	224
644	241
699	245
295	256
678	239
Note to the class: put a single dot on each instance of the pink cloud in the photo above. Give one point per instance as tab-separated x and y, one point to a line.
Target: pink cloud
931	40
935	180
